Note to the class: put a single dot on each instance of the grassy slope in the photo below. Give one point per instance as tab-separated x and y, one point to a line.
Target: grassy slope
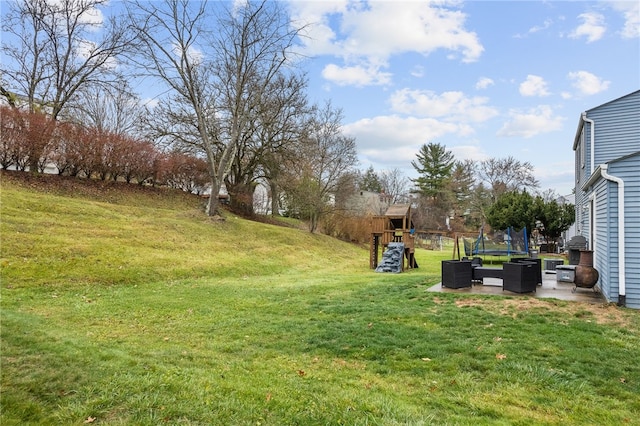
106	235
130	306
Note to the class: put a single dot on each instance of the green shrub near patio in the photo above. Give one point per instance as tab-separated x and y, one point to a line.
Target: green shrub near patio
130	306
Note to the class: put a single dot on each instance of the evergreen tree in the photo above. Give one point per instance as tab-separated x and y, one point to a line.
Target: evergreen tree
555	219
435	165
370	181
516	209
436	199
461	185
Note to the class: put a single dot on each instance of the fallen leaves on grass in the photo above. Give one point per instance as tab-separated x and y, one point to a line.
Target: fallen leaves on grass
501	356
90	420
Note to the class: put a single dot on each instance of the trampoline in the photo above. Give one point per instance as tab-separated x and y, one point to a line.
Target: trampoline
504	243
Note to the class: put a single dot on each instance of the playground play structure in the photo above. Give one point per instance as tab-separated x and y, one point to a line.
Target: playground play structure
394	235
392	232
503	243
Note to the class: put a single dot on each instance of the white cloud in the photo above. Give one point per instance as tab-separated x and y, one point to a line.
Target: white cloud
593	27
92	17
558	176
534	86
417	71
448	105
356	75
368	34
194	54
526	124
87	49
393	141
392	131
313	17
468	152
391	157
631	12
484	82
150	102
587	83
547	23
239	4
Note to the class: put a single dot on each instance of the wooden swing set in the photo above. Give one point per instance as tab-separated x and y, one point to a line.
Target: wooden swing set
395	226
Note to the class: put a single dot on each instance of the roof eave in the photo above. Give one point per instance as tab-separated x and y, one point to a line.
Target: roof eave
597	173
576	139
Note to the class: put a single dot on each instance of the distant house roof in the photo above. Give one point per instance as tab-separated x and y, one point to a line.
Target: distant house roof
398	210
564	199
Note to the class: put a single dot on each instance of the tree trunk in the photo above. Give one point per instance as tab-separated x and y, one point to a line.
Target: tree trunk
275	199
213	204
313	222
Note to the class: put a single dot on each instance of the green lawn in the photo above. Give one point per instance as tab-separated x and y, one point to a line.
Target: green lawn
132	307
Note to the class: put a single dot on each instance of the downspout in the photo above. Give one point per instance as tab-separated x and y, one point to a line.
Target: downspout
591	145
621	242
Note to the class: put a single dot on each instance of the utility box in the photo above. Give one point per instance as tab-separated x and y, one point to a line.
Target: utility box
551	264
566	273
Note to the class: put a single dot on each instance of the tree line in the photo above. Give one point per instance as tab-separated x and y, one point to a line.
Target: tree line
232	111
463	196
233	93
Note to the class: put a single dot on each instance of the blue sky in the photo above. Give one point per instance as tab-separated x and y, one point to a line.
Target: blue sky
483	78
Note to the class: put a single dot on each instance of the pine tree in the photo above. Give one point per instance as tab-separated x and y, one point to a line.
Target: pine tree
435	165
370	181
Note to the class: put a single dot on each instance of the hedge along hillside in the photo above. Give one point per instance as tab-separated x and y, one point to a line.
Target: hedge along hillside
32	141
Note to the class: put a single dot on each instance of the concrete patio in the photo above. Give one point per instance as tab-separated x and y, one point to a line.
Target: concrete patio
550	288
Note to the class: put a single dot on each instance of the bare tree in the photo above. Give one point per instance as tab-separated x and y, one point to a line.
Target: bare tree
395	185
325	156
56	48
257	96
502	175
174	34
217	79
277	124
116	110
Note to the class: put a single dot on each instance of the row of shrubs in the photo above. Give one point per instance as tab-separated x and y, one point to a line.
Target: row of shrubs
31	141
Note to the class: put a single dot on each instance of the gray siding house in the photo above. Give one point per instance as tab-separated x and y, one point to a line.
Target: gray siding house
607	161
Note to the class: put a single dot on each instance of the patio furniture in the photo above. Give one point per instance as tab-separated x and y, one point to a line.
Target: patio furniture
552	264
481	272
519	277
456	273
535	260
